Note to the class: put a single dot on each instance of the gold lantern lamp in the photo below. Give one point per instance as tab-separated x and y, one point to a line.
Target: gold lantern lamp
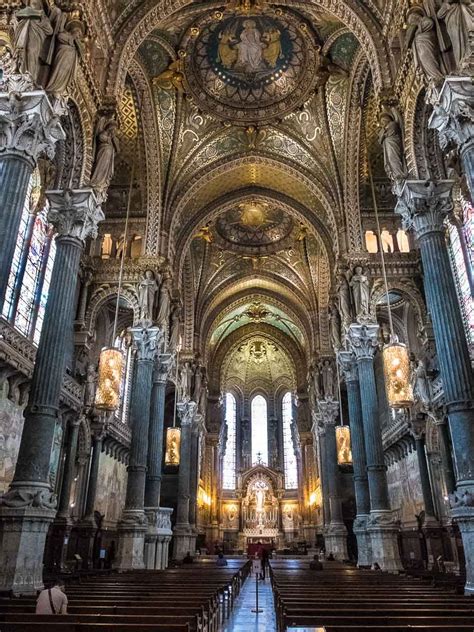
107	395
343	442
396	368
173	434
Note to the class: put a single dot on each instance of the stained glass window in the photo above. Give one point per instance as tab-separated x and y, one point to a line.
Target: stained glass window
291	467
259	430
461	260
30	274
228	466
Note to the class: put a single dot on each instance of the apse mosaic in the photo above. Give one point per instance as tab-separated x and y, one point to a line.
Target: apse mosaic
250	68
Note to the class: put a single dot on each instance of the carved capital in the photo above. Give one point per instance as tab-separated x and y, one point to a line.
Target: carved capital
418	428
423	205
146	342
363	340
74	213
186	412
29	126
348	365
453	113
163	368
329	410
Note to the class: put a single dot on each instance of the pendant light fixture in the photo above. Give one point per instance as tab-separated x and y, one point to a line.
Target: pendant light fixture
343	433
396	362
173	434
111	359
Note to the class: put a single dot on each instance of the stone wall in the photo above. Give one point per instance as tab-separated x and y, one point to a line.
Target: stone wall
111	489
405	489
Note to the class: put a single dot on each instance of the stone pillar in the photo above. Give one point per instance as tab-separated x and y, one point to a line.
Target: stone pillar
62	523
361	484
155	432
336	532
319	434
30	129
87	527
194	470
133	525
363	341
439	419
28	508
453	118
182	530
423	207
213	530
158	537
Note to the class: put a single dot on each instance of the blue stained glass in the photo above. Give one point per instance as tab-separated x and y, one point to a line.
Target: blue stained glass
259	430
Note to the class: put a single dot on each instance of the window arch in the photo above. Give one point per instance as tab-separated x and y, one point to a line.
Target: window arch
259	416
32	266
289	456
228	465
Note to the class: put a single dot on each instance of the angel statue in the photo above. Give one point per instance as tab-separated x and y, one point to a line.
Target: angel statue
391	139
106	148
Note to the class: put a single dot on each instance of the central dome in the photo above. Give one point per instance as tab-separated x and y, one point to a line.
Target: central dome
252	67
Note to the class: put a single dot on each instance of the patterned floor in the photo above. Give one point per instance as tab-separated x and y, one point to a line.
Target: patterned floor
243	619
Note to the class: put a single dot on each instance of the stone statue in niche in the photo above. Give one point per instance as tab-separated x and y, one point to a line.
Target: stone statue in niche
344	294
106	148
202	403
197	384
327	377
459	20
163	317
33	27
147	295
422	37
185	380
335	326
391	139
66	55
360	293
175	328
90	385
421	383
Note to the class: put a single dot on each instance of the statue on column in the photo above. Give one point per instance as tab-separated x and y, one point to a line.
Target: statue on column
175	328
327	375
90	385
106	148
360	292
391	139
422	37
34	26
343	292
197	384
185	379
147	294
66	55
203	396
163	317
458	17
421	383
335	326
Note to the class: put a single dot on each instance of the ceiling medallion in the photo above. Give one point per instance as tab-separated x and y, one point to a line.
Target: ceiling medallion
250	63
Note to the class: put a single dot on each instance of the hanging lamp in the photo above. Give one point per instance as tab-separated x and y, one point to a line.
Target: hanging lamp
343	433
396	362
111	361
173	434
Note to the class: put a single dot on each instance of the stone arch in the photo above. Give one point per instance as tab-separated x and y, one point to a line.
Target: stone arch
103	295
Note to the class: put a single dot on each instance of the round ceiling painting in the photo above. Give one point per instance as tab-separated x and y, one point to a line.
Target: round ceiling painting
250	68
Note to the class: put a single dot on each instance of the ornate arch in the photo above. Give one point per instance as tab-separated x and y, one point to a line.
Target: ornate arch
103	295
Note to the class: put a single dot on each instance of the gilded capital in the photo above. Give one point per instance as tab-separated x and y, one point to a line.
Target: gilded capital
74	213
424	204
29	127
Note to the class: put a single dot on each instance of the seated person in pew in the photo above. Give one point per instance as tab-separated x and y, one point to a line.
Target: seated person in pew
52	600
221	561
315	564
187	559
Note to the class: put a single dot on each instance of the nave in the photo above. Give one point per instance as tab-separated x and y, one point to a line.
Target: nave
203	598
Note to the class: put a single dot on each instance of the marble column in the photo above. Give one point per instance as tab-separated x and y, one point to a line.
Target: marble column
182	530
163	366
423	207
319	435
194	470
363	342
30	129
439	419
348	365
453	118
133	524
28	508
336	533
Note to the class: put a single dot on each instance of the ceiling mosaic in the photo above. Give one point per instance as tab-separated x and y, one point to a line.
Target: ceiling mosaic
250	68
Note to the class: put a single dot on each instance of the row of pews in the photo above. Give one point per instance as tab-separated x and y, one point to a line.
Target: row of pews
341	598
193	598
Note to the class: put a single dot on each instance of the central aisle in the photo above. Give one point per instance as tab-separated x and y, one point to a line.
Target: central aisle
243	619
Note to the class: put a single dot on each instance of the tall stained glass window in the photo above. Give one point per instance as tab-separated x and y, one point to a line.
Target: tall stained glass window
291	468
462	260
228	468
30	274
259	429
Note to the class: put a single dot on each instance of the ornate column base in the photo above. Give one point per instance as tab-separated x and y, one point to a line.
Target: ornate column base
158	537
464	517
364	541
184	541
383	531
335	539
131	547
23	539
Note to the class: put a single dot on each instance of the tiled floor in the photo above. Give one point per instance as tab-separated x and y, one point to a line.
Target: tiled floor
243	619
